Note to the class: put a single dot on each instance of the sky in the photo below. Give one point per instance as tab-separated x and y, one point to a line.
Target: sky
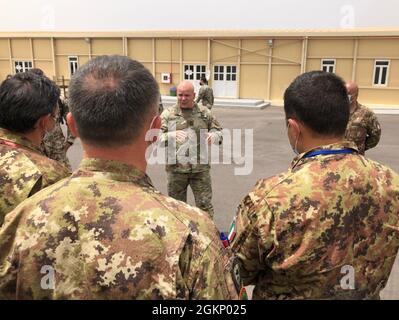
130	15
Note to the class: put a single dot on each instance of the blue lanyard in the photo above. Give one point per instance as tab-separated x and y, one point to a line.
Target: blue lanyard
318	152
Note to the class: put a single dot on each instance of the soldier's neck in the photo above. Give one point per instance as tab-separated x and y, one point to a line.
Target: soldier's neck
133	154
310	143
35	137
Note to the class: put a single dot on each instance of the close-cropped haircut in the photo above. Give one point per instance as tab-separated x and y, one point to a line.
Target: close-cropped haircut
24	98
318	99
110	98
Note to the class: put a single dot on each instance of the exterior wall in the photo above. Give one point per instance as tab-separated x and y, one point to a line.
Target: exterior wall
264	68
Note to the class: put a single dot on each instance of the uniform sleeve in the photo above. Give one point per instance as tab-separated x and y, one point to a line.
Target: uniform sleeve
8	259
200	95
164	126
215	128
373	131
215	280
254	238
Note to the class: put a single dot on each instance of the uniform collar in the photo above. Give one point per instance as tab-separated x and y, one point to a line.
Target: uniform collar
299	160
115	170
179	112
19	140
354	109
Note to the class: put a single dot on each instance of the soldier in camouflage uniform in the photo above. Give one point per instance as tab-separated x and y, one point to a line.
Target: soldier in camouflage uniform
106	232
205	94
299	234
28	104
54	144
363	127
190	128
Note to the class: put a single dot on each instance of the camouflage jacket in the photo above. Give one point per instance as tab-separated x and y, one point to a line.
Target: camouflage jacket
192	155
206	95
24	170
54	145
363	128
301	233
106	233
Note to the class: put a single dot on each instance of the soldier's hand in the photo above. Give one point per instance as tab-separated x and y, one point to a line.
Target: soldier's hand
181	136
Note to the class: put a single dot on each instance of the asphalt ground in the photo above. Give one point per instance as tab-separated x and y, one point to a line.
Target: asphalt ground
271	155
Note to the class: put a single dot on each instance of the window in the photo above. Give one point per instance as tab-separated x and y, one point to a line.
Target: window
225	73
200	72
218	73
381	68
328	65
231	73
194	71
188	72
22	66
73	64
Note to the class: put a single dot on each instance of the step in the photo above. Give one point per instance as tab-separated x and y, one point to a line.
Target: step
225	103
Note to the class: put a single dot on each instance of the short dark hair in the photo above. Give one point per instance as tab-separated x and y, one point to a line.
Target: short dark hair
203	79
110	98
318	99
24	99
37	71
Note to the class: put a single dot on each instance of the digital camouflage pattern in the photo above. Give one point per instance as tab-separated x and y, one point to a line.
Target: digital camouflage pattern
109	234
196	122
24	170
54	144
201	185
296	230
206	95
363	128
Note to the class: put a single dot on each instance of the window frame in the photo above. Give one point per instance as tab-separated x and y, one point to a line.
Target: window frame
381	67
70	64
23	64
334	65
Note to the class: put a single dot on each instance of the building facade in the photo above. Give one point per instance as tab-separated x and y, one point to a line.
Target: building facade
239	64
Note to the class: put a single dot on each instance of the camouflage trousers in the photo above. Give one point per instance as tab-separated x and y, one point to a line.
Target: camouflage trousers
201	185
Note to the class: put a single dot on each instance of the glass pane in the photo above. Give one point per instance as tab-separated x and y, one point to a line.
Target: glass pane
382	63
228	77
228	69
234	68
233	77
216	76
203	69
325	68
221	77
221	68
215	69
384	76
377	75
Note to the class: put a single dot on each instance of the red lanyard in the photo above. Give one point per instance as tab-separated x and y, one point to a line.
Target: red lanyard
9	143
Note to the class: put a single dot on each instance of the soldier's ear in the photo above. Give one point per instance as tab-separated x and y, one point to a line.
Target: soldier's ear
157	122
72	125
44	123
